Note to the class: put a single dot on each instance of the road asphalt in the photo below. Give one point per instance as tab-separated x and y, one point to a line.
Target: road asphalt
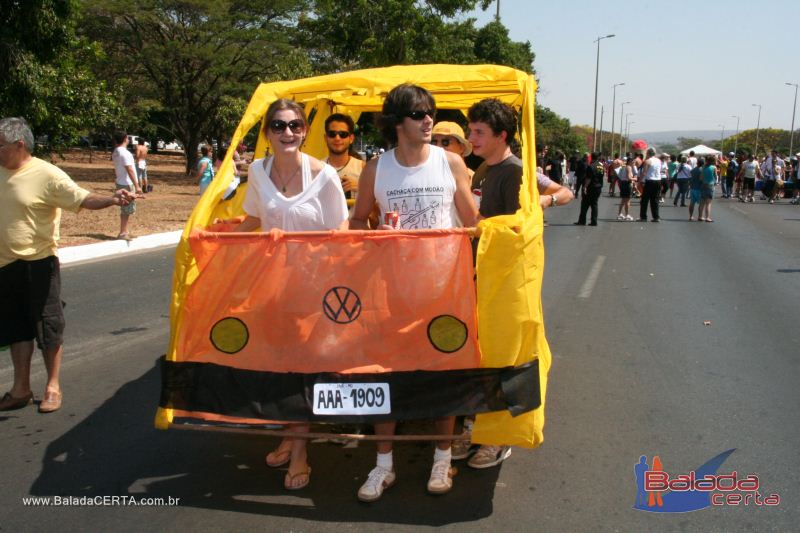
676	339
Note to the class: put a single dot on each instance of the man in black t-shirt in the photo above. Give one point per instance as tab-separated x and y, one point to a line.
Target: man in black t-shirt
555	170
496	186
592	187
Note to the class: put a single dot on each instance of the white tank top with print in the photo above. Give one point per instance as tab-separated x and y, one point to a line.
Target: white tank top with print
422	196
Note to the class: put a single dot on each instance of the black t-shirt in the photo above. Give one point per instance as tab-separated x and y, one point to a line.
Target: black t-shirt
580	169
595	173
499	185
556	170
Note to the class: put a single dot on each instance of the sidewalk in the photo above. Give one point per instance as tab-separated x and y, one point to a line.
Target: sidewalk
75	254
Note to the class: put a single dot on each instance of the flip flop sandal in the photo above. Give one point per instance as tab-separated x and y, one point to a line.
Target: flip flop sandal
283	457
287	481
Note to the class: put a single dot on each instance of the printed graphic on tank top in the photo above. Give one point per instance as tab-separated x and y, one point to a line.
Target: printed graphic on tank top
422	196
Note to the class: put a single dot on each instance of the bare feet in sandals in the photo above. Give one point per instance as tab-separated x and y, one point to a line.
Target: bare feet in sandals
280	456
297	480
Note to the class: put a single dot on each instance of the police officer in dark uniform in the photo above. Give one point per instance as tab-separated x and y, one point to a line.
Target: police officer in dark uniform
592	187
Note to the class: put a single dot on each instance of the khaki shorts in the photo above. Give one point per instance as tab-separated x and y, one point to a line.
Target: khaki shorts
131	207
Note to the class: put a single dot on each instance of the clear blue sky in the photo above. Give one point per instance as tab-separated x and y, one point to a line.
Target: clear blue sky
686	65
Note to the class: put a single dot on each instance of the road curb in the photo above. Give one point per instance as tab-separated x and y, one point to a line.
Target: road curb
74	254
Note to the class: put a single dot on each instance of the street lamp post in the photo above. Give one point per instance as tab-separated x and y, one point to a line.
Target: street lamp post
621	116
627	133
736	139
758	127
794	108
613	110
596	81
722	138
601	129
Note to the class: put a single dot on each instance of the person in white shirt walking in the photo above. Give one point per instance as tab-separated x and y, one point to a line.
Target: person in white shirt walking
652	186
126	179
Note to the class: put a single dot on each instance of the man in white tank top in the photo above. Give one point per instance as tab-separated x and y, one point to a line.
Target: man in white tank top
428	188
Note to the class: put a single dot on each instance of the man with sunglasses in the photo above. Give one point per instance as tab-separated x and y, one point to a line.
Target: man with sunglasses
450	136
428	188
339	136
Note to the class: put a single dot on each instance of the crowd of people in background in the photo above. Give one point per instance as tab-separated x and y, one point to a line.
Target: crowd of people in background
688	180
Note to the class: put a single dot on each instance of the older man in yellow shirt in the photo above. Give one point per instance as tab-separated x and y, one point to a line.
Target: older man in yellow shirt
32	194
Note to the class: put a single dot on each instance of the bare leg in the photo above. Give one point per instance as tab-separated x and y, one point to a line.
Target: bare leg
299	462
123	224
388	428
445	426
21	354
52	362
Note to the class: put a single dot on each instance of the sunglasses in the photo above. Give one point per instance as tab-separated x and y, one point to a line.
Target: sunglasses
279	126
340	134
443	142
420	114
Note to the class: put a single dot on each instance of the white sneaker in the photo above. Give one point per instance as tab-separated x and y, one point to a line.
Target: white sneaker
377	480
489	456
441	480
629	218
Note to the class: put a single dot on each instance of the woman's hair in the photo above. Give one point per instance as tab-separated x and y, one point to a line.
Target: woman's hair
282	104
651	152
701	162
400	101
683	159
204	150
711	160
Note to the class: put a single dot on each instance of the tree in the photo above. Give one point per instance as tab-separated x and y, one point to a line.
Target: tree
555	133
353	34
768	139
44	77
688	142
195	57
493	45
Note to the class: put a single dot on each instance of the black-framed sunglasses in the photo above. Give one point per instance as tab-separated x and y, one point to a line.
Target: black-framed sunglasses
443	142
340	134
279	126
420	114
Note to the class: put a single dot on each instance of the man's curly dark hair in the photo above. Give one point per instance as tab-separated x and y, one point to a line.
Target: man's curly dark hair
499	116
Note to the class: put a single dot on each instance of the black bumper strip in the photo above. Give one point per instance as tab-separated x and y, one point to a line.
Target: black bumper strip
212	388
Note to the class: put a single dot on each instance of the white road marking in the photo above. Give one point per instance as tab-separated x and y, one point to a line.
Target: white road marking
591	279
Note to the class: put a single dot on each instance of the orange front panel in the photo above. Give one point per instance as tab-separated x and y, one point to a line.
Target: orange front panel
334	302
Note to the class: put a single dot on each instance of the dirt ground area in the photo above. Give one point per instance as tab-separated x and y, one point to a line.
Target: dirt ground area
165	209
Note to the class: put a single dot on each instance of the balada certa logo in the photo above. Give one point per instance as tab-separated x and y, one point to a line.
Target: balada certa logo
660	492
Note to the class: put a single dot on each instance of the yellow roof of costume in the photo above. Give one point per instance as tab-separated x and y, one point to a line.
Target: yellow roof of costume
510	257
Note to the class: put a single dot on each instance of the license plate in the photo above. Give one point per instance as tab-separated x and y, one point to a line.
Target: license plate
351	399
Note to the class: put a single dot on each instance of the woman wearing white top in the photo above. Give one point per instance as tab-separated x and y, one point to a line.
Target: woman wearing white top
292	191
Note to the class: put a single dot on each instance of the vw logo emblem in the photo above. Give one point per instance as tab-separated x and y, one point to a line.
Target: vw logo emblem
342	305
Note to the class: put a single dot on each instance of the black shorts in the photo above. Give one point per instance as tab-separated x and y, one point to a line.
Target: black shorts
749	184
624	189
30	303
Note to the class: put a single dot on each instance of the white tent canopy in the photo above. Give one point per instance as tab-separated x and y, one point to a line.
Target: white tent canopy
701	149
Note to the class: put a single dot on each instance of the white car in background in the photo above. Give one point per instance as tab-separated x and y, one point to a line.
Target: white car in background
133	140
172	145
